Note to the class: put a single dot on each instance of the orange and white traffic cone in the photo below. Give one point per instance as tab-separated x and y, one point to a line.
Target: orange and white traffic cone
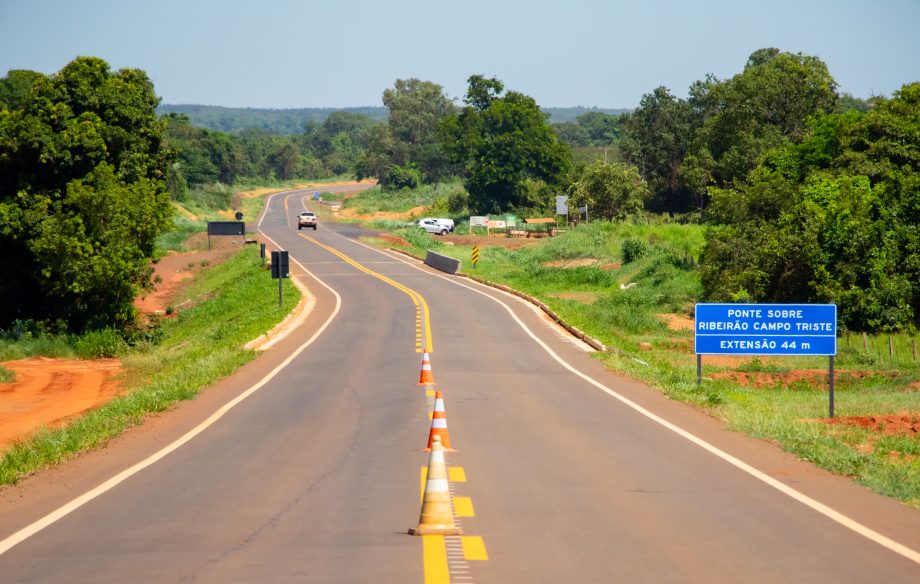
439	423
426	377
436	517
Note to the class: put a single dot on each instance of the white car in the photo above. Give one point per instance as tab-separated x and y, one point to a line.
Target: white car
439	226
306	219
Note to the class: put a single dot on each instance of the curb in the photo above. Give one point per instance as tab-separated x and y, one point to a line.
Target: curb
592	342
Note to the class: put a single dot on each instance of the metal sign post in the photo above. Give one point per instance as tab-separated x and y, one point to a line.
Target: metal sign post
280	269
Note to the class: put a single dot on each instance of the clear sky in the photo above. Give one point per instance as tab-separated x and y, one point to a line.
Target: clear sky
341	53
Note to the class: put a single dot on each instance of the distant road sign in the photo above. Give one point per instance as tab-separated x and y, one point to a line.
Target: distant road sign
766	329
562	207
226	228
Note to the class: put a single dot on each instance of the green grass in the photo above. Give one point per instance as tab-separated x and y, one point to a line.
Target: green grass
666	281
433	197
32	345
6	376
232	303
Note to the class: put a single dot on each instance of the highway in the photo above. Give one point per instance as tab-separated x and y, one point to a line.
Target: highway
560	469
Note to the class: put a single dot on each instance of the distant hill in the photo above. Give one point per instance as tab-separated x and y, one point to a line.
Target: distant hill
291	121
279	121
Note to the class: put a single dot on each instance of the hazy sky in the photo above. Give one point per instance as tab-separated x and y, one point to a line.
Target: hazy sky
339	53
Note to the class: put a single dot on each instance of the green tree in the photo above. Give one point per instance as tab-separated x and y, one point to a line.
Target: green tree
615	191
765	106
835	218
572	134
410	138
603	129
377	158
204	156
82	196
656	138
16	87
501	141
338	141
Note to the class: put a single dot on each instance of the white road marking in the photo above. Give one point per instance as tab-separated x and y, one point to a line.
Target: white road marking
830	513
61	512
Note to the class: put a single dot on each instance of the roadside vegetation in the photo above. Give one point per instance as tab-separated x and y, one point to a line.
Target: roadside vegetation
228	305
623	283
768	186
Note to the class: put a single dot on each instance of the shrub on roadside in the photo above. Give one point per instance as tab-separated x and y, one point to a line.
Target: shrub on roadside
99	344
6	376
633	249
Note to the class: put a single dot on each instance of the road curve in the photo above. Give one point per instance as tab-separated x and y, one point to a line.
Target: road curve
314	476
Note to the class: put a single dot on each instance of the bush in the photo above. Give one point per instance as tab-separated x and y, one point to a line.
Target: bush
458	201
633	249
401	177
6	376
100	343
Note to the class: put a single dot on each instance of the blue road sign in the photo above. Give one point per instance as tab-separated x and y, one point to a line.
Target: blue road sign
766	329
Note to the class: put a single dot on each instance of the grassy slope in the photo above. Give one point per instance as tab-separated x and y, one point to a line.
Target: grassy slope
233	303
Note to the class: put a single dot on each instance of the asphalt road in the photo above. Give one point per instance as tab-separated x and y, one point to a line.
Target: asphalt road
571	473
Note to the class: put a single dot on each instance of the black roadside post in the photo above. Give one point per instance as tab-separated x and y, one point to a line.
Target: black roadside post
280	269
262	252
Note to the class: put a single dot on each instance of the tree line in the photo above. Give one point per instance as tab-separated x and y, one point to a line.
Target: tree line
810	195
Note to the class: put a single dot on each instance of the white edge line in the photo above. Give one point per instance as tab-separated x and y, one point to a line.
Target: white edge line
61	512
821	508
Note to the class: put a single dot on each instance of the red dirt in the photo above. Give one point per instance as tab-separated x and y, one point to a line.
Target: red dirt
47	392
812	377
489	240
392	240
576	263
904	423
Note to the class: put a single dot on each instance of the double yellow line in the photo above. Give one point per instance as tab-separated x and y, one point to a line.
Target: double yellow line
422	315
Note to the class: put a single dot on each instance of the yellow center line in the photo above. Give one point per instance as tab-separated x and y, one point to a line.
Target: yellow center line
434	551
474	548
421	306
464	507
456	474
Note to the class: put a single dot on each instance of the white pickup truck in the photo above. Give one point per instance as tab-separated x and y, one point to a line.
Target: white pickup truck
439	226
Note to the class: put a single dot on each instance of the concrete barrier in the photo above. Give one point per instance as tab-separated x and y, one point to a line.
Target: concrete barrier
442	262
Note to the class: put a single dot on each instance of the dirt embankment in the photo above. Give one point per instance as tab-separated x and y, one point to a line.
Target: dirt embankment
49	392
